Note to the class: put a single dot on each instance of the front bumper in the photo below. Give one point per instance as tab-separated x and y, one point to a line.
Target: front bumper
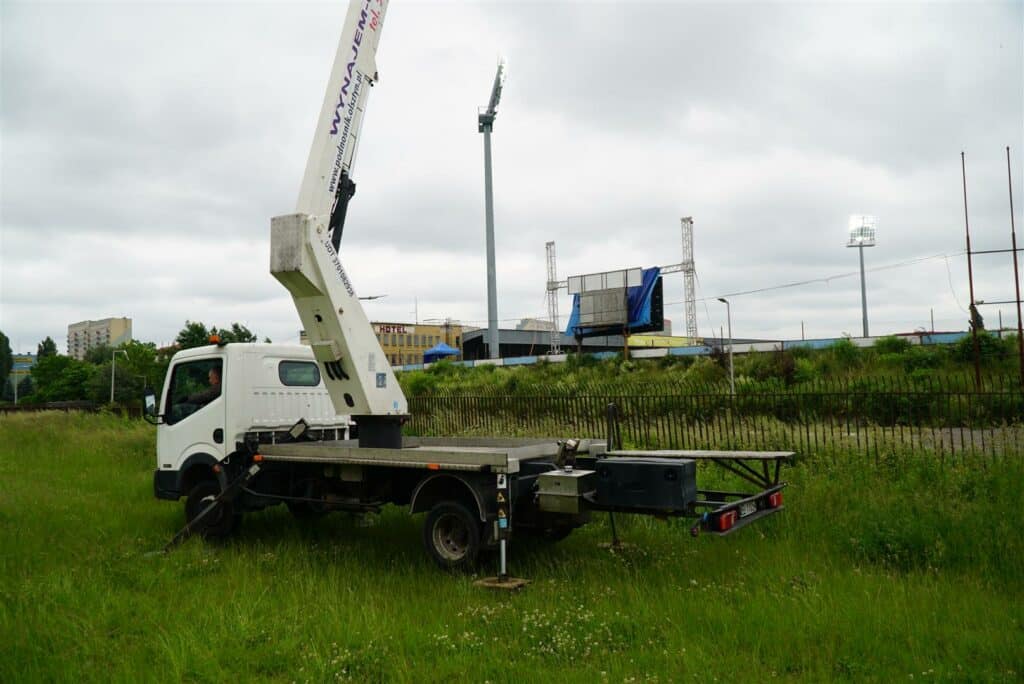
166	485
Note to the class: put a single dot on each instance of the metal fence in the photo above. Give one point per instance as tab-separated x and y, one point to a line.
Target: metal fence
876	419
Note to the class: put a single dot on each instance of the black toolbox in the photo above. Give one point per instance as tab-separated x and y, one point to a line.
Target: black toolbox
626	483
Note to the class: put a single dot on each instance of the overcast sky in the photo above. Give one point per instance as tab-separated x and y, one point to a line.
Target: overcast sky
145	147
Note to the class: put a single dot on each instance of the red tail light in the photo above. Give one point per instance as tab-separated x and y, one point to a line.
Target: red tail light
775	499
726	521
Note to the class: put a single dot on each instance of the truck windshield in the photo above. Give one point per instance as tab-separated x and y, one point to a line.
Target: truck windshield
194	385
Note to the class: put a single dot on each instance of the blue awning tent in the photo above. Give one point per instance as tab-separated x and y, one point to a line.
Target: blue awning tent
438	352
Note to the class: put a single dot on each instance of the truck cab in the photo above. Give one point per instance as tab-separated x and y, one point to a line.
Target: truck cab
218	396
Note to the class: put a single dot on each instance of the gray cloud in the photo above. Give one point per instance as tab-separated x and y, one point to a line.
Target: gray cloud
146	146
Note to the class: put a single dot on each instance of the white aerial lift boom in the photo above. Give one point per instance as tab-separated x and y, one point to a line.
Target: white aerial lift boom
305	245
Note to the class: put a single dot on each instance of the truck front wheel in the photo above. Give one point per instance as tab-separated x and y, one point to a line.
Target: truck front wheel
452	536
220	523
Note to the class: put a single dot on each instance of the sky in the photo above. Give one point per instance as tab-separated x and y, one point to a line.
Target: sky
145	146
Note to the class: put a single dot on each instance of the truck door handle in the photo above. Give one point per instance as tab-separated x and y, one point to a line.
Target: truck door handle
218	435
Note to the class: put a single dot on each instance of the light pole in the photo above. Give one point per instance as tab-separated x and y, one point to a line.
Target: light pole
485	121
113	365
862	234
728	316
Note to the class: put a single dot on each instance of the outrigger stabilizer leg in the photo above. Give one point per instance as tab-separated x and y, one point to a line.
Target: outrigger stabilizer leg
226	496
504	529
613	441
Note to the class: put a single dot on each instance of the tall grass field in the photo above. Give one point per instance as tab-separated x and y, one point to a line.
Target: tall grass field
904	569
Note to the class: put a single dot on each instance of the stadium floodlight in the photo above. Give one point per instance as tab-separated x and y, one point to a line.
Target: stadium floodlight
862	234
862	230
485	123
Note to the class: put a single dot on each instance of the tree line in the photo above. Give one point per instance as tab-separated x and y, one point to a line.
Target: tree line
135	366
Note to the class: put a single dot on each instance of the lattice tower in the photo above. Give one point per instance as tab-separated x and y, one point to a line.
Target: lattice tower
689	276
552	288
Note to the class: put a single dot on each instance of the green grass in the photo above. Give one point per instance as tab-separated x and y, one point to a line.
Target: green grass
882	572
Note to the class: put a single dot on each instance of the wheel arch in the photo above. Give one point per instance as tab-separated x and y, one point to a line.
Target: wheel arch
196	468
446	487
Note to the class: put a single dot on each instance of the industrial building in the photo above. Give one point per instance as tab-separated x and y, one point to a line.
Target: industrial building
85	335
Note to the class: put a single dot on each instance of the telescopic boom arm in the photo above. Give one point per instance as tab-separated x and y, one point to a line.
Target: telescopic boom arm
304	245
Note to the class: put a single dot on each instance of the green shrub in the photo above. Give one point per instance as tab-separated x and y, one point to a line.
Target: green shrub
805	370
892	345
990	347
574	361
846	354
801	352
920	358
704	371
444	368
419	383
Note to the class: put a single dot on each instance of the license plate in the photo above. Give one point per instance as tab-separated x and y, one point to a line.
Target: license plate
748	508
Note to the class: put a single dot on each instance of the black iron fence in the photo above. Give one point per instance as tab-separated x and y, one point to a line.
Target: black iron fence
876	420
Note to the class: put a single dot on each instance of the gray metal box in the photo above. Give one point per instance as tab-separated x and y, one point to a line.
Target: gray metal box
668	485
561	492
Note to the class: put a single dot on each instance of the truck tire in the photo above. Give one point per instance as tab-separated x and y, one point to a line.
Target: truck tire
452	536
219	524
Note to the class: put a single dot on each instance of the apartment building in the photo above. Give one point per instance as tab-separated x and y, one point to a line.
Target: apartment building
85	335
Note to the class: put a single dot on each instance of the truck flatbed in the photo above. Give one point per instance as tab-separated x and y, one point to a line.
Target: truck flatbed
497	455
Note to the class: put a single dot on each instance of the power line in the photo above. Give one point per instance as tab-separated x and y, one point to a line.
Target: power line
949	277
838	276
800	283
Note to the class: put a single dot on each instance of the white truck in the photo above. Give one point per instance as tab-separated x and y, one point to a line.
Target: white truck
261	391
213	450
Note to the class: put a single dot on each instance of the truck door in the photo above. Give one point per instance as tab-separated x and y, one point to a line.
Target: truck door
193	412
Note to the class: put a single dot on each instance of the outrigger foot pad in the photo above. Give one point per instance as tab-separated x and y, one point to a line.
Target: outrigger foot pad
508	583
617	546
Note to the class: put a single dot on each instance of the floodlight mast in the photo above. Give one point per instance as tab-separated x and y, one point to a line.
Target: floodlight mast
485	123
304	245
862	234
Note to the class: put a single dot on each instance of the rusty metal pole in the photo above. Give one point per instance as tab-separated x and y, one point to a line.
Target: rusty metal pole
1016	272
970	282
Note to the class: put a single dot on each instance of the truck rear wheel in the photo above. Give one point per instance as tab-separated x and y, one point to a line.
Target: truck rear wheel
220	523
452	536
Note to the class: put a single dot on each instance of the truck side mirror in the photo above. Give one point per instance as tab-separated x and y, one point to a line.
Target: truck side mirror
149	405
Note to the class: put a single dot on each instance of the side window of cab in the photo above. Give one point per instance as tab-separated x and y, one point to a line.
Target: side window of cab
298	373
194	385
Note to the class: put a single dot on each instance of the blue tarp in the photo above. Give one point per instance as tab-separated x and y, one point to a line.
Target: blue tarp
438	352
638	299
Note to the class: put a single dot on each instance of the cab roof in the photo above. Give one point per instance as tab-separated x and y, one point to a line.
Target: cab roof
299	351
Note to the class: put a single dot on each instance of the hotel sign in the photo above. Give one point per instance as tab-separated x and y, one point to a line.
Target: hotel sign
395	328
